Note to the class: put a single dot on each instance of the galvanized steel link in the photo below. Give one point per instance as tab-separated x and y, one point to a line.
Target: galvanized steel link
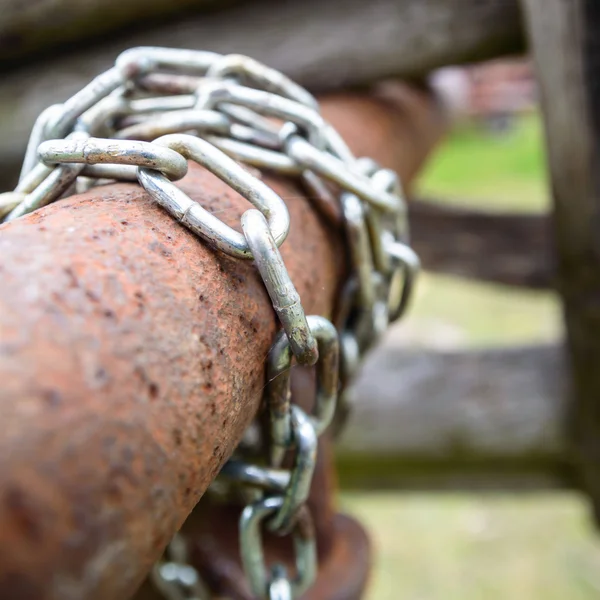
280	587
252	553
174	577
200	221
285	298
277	392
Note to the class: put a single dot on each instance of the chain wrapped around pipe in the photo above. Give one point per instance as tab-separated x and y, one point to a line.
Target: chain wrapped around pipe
143	120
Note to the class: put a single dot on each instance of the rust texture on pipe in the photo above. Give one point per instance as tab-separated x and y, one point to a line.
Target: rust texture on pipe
343	571
131	361
343	548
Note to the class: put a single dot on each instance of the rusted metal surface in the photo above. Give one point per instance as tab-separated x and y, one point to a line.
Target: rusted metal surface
343	570
344	551
396	124
131	361
343	547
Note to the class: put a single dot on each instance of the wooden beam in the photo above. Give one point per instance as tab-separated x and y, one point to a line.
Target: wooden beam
512	249
565	39
323	45
470	418
27	27
362	40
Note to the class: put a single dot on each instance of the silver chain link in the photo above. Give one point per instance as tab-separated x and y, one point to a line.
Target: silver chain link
173	575
143	120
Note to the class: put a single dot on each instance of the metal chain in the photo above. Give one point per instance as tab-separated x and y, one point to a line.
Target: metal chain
143	120
174	577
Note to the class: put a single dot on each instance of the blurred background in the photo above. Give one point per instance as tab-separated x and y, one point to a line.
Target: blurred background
481	544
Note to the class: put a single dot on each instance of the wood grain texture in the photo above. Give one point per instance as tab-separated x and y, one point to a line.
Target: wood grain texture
462	418
27	27
512	249
565	43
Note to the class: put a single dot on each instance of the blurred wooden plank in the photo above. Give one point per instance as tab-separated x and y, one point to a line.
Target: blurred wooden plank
513	249
362	40
323	45
504	402
565	39
471	418
26	27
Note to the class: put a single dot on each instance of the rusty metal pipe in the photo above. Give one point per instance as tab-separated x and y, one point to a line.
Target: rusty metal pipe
343	547
131	363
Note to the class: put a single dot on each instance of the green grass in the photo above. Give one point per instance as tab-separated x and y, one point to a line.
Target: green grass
476	167
461	546
447	311
499	172
456	547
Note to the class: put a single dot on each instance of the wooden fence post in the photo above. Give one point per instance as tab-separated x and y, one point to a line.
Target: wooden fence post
565	42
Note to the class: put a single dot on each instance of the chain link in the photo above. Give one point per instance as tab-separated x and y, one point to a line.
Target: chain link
173	575
143	120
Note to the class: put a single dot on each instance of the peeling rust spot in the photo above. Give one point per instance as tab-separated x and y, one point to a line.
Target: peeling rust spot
24	517
53	398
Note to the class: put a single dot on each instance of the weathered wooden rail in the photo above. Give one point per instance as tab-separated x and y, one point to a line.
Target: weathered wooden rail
507	248
461	419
